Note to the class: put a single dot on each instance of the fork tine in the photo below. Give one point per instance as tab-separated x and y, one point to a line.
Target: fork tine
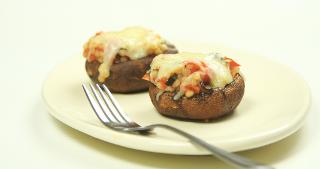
103	107
95	106
113	110
116	105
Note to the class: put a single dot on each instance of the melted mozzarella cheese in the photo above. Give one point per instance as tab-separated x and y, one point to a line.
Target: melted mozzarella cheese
165	65
168	64
220	74
132	42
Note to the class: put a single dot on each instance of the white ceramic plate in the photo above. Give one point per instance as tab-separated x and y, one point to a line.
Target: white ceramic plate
274	106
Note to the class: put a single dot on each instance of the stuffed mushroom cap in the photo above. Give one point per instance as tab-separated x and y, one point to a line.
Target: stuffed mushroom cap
120	59
195	86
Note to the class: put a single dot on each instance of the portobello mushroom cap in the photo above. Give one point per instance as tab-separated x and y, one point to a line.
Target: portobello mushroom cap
209	104
125	77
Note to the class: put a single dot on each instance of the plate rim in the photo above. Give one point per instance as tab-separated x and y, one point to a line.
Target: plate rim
190	149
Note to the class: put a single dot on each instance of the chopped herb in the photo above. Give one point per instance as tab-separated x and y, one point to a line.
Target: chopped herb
171	80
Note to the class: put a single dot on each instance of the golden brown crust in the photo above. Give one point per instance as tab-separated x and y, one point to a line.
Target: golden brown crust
207	105
125	77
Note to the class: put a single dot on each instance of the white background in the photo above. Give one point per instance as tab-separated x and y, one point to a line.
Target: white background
37	35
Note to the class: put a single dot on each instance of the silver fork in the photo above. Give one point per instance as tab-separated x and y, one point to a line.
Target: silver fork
111	115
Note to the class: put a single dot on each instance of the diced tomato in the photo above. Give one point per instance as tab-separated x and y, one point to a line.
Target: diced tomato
162	82
206	78
193	67
146	77
233	66
232	63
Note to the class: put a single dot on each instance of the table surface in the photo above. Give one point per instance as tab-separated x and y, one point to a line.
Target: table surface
37	35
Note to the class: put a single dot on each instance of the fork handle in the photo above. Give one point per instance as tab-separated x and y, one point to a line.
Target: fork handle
230	158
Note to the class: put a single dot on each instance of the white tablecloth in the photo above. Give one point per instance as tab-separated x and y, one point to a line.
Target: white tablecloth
37	35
